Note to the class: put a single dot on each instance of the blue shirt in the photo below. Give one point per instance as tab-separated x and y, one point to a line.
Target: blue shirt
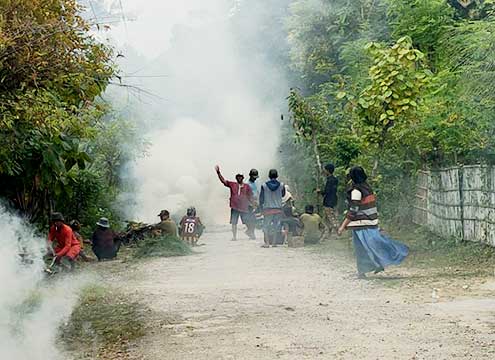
254	189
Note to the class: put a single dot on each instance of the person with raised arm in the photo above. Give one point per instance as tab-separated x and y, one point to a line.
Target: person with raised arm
241	197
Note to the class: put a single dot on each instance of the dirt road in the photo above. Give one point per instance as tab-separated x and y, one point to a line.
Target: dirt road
236	300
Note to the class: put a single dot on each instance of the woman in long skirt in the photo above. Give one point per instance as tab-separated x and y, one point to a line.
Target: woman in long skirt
374	251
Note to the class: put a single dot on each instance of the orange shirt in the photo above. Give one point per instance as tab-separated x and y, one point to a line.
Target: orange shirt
65	239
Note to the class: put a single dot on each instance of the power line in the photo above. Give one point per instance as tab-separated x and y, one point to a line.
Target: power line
145	76
124	19
94	12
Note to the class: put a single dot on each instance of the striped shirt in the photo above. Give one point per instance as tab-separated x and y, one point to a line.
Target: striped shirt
362	212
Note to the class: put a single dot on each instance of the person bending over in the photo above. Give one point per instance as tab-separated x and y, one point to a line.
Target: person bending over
64	244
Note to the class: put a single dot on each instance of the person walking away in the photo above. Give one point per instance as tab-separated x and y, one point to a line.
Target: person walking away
374	251
312	225
191	227
241	197
330	199
166	226
65	246
271	195
251	222
76	228
106	243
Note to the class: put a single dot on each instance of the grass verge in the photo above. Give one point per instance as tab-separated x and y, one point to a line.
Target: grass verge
433	262
103	324
428	250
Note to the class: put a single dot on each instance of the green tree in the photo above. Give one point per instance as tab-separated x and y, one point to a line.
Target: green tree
398	79
51	71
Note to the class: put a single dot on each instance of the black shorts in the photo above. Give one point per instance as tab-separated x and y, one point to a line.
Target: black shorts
235	214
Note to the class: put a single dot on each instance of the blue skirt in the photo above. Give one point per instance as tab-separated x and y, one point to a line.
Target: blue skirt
374	251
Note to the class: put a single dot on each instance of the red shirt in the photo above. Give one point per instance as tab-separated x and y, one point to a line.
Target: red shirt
240	196
65	239
189	226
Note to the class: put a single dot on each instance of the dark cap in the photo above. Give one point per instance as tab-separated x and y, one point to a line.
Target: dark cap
164	212
56	216
239	175
254	173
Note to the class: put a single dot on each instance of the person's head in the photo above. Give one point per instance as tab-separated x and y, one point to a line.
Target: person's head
329	169
309	209
239	178
103	223
75	225
253	174
358	175
164	215
191	211
273	174
57	219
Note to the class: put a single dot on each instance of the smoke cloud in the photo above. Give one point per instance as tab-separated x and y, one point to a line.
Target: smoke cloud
29	313
218	100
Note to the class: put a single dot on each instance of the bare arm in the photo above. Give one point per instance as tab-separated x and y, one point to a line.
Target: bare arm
220	177
343	227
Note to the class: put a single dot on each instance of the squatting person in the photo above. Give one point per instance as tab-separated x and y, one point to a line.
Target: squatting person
105	242
66	247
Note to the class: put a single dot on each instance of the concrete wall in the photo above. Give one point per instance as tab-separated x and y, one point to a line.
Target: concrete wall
458	202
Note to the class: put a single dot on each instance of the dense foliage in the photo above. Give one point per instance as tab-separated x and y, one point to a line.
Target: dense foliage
393	85
59	144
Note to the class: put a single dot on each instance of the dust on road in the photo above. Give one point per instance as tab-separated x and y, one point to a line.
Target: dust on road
236	300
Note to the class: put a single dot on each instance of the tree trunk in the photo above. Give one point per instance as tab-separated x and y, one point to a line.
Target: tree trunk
319	165
318	159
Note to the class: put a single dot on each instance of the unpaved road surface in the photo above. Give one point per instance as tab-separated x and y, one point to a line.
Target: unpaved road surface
236	300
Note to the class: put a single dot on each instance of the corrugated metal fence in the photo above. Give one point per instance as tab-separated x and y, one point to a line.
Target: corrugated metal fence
458	202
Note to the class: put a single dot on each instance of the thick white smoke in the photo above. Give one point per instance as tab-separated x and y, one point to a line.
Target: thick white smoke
218	105
29	313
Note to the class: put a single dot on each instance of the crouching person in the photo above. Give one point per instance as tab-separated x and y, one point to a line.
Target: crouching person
312	225
76	228
166	226
66	247
106	243
191	227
